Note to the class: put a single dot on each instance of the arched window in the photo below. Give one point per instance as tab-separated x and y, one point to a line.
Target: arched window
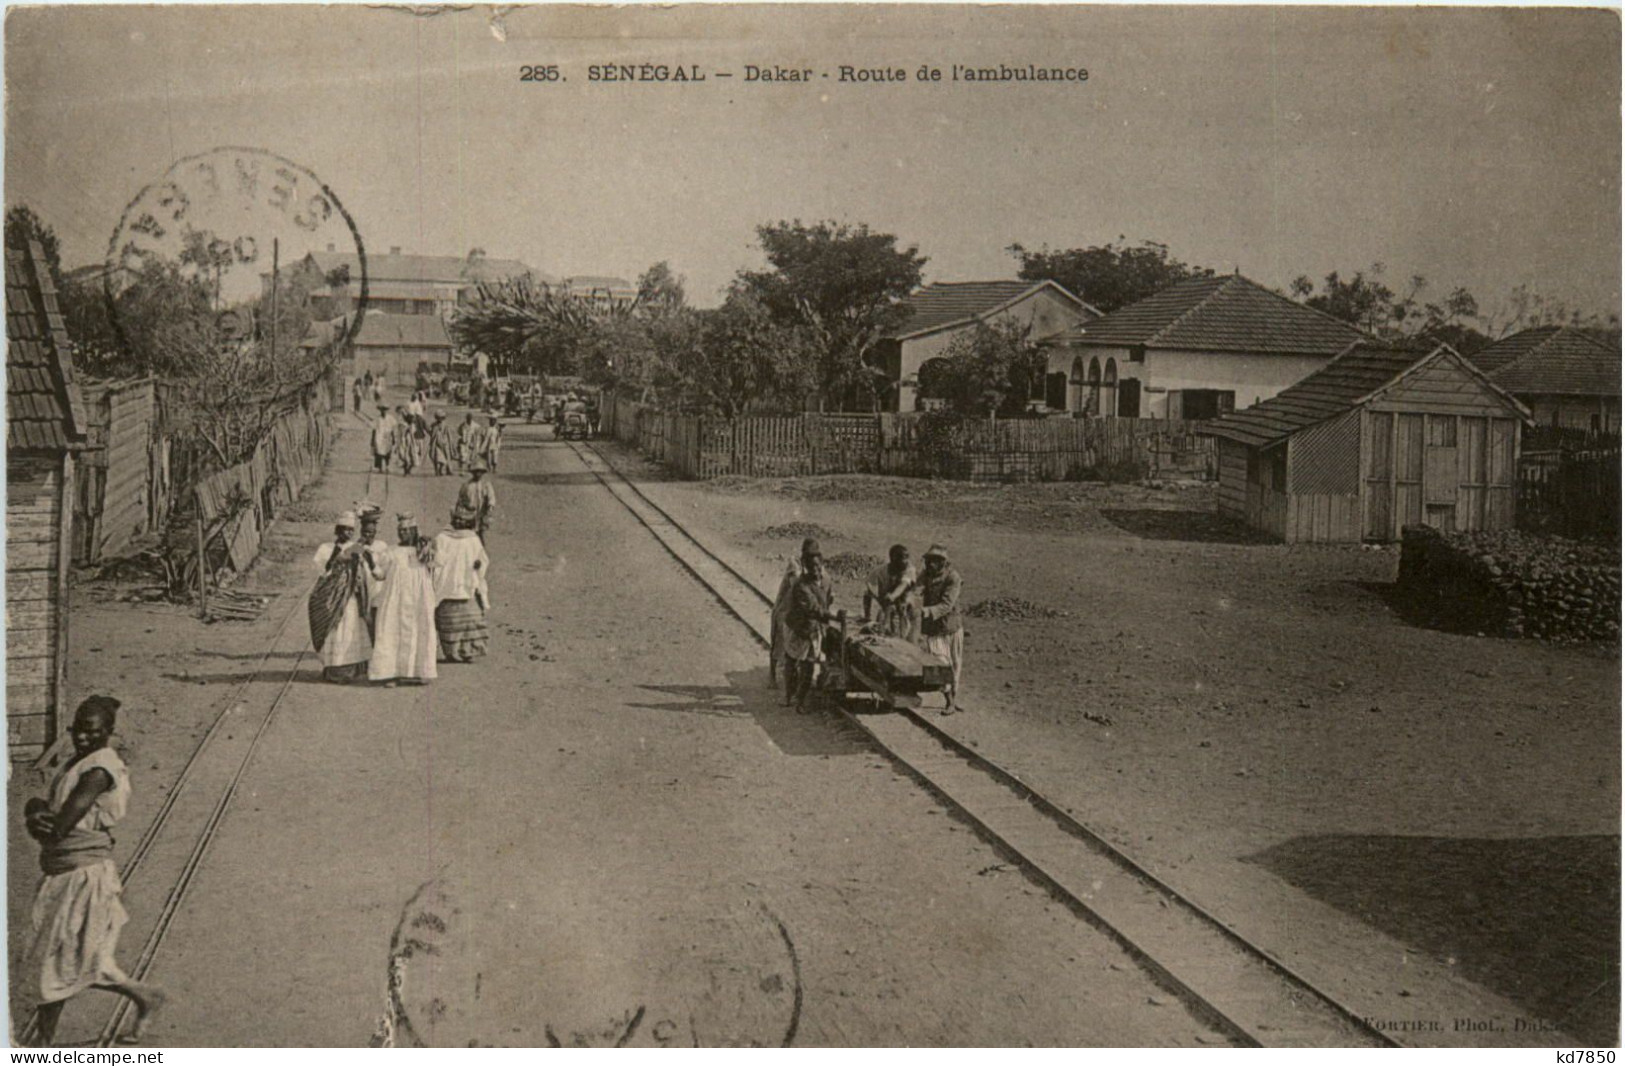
1074	392
1108	398
1094	386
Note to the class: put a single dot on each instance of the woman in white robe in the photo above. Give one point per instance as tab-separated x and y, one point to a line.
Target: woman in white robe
348	645
404	642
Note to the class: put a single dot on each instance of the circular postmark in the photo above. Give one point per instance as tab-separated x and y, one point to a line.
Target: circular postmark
216	217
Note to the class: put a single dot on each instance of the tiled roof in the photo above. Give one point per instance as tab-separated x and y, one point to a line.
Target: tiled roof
380	330
422	269
43	408
947	303
1227	313
1336	387
1552	360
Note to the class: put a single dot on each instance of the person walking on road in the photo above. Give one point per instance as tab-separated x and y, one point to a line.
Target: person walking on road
440	444
479	496
77	911
338	605
465	440
942	624
804	626
461	588
403	646
891	595
372	547
383	440
493	443
407	446
781	611
355	393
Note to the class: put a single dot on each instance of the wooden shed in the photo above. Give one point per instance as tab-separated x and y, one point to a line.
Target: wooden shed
45	427
1378	439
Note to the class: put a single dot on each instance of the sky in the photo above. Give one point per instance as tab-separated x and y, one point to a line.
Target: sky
1479	148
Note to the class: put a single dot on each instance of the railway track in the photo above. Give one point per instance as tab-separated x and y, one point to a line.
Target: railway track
180	833
1243	991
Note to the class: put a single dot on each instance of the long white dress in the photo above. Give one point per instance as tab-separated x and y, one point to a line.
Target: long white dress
347	642
78	914
404	643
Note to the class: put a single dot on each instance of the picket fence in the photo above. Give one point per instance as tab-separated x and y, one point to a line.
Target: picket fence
699	447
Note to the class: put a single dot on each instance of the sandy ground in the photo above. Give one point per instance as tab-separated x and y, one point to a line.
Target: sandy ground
606	832
1257	724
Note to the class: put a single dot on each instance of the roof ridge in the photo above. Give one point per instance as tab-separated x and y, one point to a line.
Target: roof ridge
1299	304
1177	319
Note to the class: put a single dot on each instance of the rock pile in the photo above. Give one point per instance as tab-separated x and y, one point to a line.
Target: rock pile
851	564
1513	584
1013	609
798	530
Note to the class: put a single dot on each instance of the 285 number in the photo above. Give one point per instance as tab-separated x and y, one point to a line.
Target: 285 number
539	73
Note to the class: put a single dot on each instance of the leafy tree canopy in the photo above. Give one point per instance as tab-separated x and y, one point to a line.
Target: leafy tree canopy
1110	275
845	285
993	369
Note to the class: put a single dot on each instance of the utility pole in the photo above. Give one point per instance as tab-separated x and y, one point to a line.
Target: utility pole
275	249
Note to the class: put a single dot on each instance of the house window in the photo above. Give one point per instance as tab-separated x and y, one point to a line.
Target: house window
1206	403
1136	354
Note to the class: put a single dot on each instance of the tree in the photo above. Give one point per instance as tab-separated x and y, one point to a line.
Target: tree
843	286
1107	276
1524	308
529	324
1367	303
660	289
993	369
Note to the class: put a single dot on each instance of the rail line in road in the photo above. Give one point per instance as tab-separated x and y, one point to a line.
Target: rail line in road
1235	985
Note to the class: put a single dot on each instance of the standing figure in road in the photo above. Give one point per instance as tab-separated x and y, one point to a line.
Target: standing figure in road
942	624
383	439
403	646
339	612
440	445
493	443
461	588
406	441
415	407
378	390
465	438
805	625
372	548
476	443
892	596
78	911
479	496
781	611
355	394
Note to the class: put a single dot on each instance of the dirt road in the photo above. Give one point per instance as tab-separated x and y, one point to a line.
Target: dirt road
609	832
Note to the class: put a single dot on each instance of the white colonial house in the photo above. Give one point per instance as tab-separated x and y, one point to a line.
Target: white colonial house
1195	350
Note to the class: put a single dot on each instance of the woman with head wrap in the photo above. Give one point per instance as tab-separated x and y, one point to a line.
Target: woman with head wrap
403	646
339	605
462	593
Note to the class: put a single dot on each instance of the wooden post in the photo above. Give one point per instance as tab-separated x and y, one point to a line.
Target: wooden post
202	560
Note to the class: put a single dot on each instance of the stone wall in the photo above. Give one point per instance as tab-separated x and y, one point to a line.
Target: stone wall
1513	584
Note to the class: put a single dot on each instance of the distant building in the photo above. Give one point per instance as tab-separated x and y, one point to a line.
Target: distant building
943	311
1198	349
1568	377
1377	439
390	346
599	289
45	428
398	283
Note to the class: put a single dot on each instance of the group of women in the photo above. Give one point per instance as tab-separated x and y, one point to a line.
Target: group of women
388	614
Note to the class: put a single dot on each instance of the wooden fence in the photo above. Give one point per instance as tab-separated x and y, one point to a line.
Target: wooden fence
1571	492
1052	449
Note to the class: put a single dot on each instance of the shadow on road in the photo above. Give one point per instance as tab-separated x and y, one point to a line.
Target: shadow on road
1536	919
747	694
1200	527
